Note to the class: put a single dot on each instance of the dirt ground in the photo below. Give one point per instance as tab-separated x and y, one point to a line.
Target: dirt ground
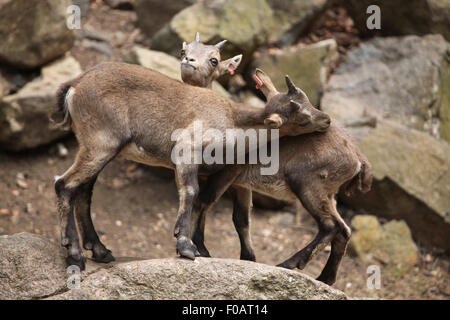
134	210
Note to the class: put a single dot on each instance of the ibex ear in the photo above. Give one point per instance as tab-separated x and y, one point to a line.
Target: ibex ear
273	121
265	84
230	65
184	46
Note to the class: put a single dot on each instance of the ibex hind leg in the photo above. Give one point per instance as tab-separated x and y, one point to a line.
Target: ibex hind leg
319	205
91	240
242	206
68	188
338	248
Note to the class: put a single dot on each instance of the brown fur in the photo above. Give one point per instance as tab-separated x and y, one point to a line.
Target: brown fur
117	108
312	169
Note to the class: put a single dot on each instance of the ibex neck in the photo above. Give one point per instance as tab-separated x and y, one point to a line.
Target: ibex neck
249	117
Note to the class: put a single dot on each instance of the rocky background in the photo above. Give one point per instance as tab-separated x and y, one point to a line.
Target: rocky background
389	87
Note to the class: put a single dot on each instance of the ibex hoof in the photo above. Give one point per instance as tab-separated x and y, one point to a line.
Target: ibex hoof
80	262
103	257
329	280
286	265
186	248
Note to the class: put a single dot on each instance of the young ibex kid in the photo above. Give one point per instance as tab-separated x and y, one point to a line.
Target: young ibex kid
117	108
312	169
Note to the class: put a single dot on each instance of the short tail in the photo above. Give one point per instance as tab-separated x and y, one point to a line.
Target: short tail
61	116
363	179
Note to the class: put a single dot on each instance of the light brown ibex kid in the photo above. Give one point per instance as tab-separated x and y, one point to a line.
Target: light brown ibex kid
117	108
312	169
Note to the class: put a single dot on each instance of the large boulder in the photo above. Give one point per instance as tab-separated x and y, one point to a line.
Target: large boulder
390	243
245	24
401	17
24	116
307	66
411	180
405	79
154	14
403	83
31	267
164	63
33	33
176	278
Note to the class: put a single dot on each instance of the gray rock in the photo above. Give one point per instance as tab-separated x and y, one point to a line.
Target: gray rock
154	14
411	181
403	17
33	32
245	24
120	4
24	116
390	243
31	267
203	278
401	79
307	66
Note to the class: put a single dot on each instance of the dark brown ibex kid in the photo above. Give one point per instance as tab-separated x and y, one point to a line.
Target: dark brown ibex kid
312	169
117	108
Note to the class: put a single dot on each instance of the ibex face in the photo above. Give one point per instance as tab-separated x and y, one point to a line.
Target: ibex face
201	64
290	112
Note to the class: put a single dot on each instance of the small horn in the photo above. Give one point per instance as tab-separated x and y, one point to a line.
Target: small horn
197	37
220	44
291	86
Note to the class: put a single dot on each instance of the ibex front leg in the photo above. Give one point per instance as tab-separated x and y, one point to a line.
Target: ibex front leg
186	176
215	187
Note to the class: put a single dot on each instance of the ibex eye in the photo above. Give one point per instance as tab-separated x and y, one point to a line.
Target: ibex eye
183	53
214	61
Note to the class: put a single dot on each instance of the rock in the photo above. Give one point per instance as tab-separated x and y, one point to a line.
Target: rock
12	80
101	47
24	120
120	4
33	32
204	278
403	17
248	98
390	243
308	67
411	181
31	267
245	24
405	79
154	14
292	18
164	63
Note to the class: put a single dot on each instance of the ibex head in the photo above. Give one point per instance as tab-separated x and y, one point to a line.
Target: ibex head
291	112
201	64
